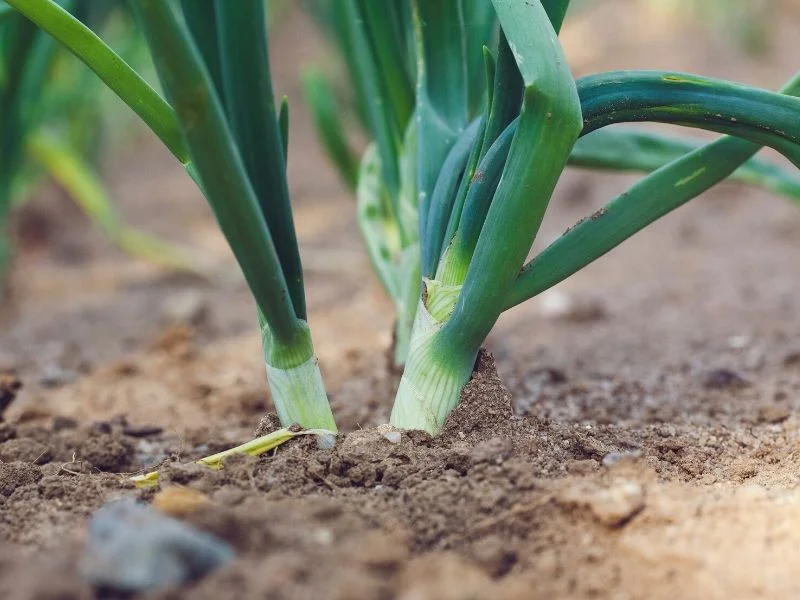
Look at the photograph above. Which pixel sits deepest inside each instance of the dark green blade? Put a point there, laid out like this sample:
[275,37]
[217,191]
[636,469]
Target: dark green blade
[628,149]
[320,99]
[661,192]
[443,197]
[114,71]
[556,11]
[369,85]
[283,126]
[217,160]
[382,23]
[201,19]
[250,108]
[506,95]
[549,125]
[763,117]
[442,108]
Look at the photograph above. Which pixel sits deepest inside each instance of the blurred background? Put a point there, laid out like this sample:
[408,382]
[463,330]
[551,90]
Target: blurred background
[97,324]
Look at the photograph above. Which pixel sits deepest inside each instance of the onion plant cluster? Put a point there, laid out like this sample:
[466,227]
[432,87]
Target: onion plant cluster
[474,115]
[380,46]
[50,121]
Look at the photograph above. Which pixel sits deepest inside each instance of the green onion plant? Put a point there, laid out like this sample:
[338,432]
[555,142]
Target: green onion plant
[474,116]
[381,52]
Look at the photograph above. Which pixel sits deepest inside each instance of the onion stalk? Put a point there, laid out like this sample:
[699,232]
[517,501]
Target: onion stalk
[379,59]
[476,272]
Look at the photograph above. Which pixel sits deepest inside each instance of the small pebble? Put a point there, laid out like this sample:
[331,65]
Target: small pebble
[612,458]
[133,548]
[737,342]
[723,379]
[773,413]
[186,307]
[326,441]
[178,501]
[556,304]
[54,376]
[393,436]
[617,504]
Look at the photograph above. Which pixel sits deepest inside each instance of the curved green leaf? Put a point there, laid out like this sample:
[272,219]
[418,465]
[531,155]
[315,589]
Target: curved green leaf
[371,88]
[628,149]
[763,117]
[83,185]
[442,109]
[219,165]
[654,196]
[443,197]
[250,108]
[549,125]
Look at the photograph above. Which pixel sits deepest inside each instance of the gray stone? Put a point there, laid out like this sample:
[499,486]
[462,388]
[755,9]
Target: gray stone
[132,547]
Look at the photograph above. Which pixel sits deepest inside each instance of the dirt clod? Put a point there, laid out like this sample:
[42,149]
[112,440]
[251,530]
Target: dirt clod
[25,450]
[107,452]
[613,505]
[722,379]
[10,385]
[485,403]
[443,577]
[17,475]
[178,501]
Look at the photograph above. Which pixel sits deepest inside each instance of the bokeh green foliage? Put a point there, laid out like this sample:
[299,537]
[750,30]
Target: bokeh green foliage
[57,119]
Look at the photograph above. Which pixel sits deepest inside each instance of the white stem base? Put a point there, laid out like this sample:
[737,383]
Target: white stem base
[299,396]
[429,388]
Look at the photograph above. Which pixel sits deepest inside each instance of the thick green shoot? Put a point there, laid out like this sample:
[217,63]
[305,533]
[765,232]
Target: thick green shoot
[453,320]
[251,114]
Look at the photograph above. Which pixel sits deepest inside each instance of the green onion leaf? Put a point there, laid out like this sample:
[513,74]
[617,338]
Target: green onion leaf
[320,99]
[628,149]
[250,108]
[221,170]
[654,196]
[760,116]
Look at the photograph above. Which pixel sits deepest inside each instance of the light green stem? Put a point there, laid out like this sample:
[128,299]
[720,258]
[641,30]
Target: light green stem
[433,377]
[295,381]
[299,396]
[408,288]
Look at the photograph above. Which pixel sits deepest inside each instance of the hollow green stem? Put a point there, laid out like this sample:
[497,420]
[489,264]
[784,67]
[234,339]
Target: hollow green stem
[434,374]
[251,114]
[218,162]
[295,381]
[629,149]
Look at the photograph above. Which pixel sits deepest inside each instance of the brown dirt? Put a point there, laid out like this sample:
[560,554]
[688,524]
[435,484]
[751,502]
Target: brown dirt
[646,443]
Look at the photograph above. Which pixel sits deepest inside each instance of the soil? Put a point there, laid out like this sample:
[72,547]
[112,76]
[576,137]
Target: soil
[641,440]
